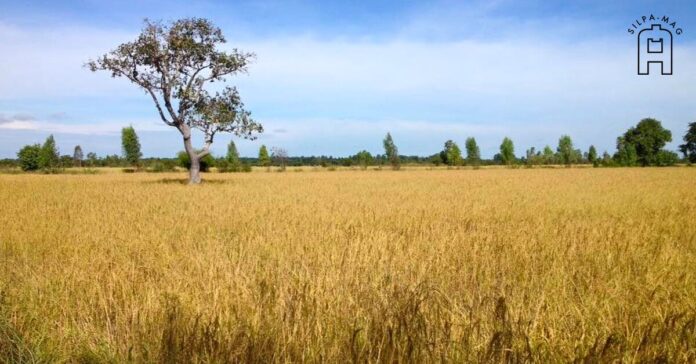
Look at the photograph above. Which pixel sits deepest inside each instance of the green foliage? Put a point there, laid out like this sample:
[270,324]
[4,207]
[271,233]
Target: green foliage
[689,146]
[391,152]
[451,154]
[648,138]
[565,150]
[49,159]
[232,158]
[160,166]
[473,153]
[626,154]
[548,156]
[174,62]
[364,159]
[507,152]
[264,158]
[92,159]
[592,156]
[130,145]
[666,158]
[185,161]
[29,157]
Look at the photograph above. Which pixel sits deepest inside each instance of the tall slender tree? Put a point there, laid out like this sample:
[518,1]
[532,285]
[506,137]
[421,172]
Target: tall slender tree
[232,157]
[592,156]
[689,146]
[473,153]
[130,145]
[391,152]
[78,156]
[507,151]
[264,158]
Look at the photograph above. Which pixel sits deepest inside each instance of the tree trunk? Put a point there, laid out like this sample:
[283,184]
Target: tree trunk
[195,169]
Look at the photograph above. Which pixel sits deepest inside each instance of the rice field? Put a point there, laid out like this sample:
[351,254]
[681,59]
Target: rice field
[494,265]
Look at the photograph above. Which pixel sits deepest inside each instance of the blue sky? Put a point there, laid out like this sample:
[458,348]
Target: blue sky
[332,78]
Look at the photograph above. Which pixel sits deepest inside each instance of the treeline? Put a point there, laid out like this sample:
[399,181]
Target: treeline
[641,145]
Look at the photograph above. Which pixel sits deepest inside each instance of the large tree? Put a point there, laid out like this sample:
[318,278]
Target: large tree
[174,63]
[648,138]
[689,146]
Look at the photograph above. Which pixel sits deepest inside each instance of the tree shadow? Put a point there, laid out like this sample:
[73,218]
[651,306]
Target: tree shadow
[185,181]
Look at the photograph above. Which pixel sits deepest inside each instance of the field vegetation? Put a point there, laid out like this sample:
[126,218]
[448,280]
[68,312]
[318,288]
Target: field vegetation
[497,265]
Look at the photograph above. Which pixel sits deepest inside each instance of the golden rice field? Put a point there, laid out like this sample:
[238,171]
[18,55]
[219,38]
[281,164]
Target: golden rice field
[496,265]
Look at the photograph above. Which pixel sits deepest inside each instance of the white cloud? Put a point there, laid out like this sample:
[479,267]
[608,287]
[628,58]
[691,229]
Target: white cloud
[101,128]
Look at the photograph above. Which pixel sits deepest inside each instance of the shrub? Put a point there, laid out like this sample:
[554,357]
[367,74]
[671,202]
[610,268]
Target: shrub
[29,157]
[185,161]
[666,158]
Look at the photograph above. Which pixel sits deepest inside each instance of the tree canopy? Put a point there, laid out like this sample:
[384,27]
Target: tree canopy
[648,138]
[689,146]
[173,63]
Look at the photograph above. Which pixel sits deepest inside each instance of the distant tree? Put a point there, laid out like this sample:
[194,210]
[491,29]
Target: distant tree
[607,160]
[49,158]
[689,146]
[507,151]
[626,154]
[173,63]
[232,158]
[264,159]
[473,153]
[451,154]
[364,159]
[77,156]
[130,144]
[548,156]
[391,152]
[92,159]
[648,138]
[279,157]
[565,150]
[29,157]
[592,156]
[533,157]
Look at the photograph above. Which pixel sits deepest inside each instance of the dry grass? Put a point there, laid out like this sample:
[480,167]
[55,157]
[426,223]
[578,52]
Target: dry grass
[491,265]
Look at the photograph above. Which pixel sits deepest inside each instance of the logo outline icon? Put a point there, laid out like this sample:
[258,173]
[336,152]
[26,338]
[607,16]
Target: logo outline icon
[653,50]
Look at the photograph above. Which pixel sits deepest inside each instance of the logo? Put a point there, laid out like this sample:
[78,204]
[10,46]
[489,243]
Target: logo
[655,43]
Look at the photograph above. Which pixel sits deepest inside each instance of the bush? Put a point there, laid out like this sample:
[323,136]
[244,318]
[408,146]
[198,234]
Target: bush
[666,158]
[29,157]
[162,166]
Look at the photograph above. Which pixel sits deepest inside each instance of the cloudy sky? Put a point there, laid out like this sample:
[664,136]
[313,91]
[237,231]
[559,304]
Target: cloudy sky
[331,78]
